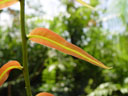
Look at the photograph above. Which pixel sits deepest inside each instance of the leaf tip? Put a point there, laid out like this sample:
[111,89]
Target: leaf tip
[44,94]
[105,67]
[85,4]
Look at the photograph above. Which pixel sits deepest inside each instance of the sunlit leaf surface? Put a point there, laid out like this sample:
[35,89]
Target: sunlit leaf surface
[48,38]
[6,3]
[44,94]
[6,68]
[85,4]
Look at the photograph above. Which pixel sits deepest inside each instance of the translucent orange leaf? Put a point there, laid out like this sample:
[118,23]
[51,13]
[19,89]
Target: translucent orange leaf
[44,94]
[48,38]
[5,70]
[6,3]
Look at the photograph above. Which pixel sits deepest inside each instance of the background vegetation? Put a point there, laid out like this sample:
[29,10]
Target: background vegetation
[102,33]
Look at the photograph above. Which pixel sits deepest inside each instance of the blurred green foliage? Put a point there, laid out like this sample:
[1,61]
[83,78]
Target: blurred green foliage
[61,74]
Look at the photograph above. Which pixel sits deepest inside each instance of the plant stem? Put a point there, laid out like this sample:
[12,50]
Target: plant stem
[24,48]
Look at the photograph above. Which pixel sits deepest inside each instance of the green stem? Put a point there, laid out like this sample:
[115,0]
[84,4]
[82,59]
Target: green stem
[24,48]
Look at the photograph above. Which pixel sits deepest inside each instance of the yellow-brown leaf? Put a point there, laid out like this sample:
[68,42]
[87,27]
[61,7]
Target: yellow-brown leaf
[6,3]
[48,38]
[44,94]
[6,68]
[85,4]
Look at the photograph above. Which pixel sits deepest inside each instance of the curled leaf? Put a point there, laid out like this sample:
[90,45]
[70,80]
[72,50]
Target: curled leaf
[5,70]
[48,38]
[85,4]
[6,3]
[44,94]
